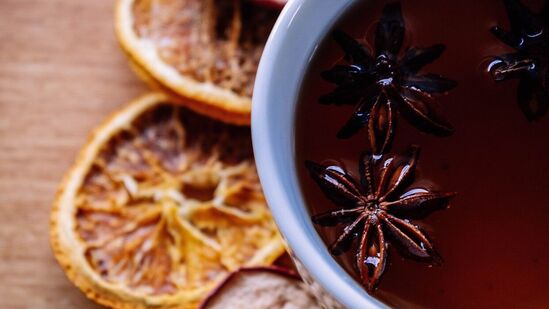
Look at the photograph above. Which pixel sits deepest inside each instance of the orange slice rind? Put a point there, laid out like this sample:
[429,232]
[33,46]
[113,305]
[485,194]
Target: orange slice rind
[204,51]
[159,207]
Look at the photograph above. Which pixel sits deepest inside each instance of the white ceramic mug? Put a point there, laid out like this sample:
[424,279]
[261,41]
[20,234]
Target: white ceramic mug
[296,35]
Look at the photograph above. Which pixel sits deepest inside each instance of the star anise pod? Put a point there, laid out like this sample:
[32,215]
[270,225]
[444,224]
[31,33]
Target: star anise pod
[529,36]
[380,83]
[378,209]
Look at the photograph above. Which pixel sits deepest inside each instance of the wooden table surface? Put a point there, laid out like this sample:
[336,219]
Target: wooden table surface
[61,73]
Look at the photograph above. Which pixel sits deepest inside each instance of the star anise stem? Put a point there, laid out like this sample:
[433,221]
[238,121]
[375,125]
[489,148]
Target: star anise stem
[335,217]
[513,69]
[343,241]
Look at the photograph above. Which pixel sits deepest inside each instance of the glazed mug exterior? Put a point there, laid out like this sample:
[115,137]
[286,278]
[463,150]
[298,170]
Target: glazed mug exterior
[300,28]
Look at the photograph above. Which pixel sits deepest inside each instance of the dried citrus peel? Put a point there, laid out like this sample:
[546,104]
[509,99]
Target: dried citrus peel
[205,51]
[160,206]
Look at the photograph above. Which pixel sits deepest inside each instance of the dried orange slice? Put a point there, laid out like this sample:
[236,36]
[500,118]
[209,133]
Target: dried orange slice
[159,207]
[206,51]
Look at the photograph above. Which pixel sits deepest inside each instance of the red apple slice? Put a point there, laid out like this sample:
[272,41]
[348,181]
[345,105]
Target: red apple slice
[261,288]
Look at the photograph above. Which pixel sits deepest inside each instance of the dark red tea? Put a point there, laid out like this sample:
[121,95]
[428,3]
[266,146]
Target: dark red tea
[494,237]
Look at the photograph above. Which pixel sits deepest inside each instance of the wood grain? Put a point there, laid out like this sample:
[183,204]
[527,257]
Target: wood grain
[61,73]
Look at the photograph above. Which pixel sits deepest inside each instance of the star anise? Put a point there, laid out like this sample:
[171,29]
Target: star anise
[529,36]
[379,84]
[378,210]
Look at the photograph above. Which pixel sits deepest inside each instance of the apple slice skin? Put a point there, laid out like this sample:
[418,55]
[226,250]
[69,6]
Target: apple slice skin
[277,4]
[280,271]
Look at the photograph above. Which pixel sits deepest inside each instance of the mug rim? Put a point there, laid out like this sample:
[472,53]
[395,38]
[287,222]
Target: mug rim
[300,27]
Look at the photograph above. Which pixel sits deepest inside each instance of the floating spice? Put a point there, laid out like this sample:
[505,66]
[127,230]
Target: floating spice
[379,83]
[377,210]
[529,36]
